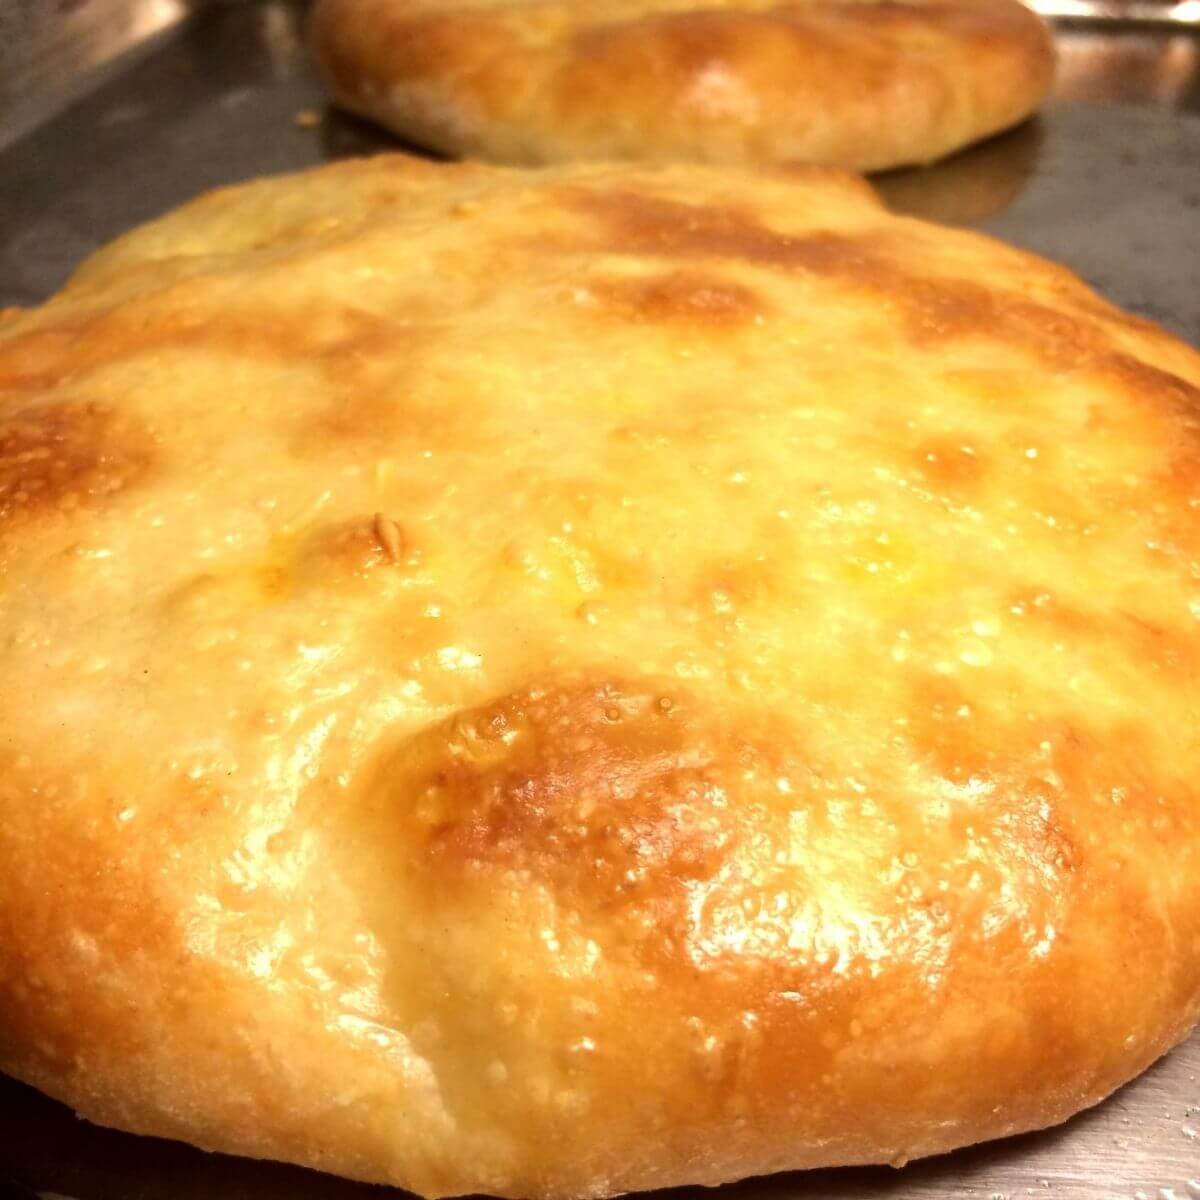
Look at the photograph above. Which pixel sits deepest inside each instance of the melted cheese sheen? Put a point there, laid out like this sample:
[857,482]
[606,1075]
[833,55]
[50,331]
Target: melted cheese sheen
[561,682]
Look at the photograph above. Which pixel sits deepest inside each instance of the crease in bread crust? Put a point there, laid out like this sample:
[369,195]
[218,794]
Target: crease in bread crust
[865,84]
[553,683]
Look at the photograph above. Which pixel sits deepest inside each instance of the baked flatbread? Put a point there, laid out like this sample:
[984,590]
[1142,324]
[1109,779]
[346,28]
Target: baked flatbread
[550,683]
[855,83]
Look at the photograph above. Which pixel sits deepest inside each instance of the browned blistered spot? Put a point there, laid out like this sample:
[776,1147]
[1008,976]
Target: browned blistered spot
[685,43]
[683,297]
[1159,645]
[728,588]
[836,51]
[931,308]
[368,409]
[1145,384]
[373,400]
[1180,481]
[408,46]
[945,730]
[363,359]
[62,457]
[604,788]
[950,464]
[665,54]
[639,223]
[1134,637]
[322,336]
[1171,497]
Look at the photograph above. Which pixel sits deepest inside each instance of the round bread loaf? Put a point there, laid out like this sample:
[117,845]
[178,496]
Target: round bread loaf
[867,84]
[563,682]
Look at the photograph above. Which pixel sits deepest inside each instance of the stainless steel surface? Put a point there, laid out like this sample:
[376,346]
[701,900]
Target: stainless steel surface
[51,51]
[1108,180]
[1154,12]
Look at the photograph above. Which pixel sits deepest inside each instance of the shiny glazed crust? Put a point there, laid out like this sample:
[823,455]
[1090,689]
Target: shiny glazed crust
[867,84]
[560,682]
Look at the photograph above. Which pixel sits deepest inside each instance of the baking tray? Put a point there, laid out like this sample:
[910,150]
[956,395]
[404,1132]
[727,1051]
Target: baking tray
[1127,12]
[187,95]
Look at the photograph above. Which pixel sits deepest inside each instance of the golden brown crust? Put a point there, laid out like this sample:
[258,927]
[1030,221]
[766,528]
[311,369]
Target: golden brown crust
[559,682]
[867,84]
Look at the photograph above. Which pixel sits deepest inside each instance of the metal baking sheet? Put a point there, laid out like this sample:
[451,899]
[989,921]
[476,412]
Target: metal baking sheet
[52,51]
[1152,12]
[1107,180]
